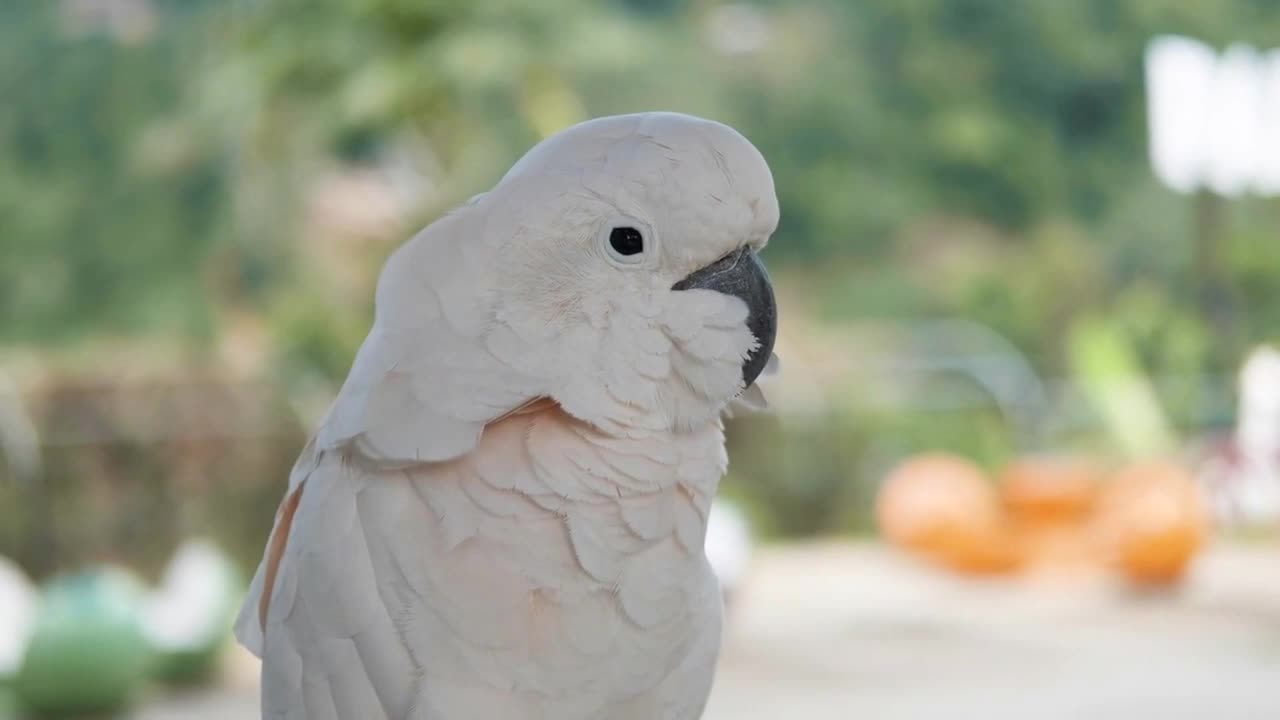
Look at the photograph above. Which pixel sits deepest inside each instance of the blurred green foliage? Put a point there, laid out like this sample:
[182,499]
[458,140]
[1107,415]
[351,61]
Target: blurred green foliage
[108,208]
[146,179]
[161,166]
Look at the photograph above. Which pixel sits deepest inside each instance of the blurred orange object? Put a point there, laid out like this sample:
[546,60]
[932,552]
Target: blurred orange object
[1067,548]
[1040,491]
[943,507]
[1153,519]
[981,550]
[1049,500]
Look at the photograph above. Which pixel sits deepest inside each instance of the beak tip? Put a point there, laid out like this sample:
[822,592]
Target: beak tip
[762,321]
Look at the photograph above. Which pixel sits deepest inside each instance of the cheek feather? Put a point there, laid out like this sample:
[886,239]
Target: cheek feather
[640,374]
[708,342]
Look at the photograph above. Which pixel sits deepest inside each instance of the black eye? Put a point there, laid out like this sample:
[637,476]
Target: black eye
[626,241]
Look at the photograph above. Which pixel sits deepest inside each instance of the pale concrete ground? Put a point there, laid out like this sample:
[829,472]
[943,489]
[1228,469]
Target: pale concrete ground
[856,631]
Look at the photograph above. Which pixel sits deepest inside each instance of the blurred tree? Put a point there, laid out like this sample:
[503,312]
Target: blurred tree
[108,203]
[155,163]
[236,171]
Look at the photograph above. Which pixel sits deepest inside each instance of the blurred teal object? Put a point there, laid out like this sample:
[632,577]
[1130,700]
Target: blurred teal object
[87,654]
[188,619]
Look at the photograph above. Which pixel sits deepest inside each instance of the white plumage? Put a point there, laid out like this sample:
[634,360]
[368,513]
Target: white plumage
[503,513]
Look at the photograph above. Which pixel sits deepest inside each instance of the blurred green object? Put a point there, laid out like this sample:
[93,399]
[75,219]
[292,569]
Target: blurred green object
[188,619]
[87,654]
[8,703]
[189,667]
[1112,377]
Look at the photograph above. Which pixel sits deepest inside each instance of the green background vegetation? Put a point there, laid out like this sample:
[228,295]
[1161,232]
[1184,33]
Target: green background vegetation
[976,159]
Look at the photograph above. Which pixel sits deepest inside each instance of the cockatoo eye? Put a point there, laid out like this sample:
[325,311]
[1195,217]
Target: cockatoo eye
[626,244]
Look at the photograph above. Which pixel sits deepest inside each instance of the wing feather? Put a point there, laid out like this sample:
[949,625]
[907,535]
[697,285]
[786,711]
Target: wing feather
[425,383]
[330,640]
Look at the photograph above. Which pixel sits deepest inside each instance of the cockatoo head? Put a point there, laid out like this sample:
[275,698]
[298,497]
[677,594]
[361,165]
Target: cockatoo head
[635,241]
[613,271]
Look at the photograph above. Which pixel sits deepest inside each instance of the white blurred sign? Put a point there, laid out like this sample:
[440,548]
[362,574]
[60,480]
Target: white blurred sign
[1214,120]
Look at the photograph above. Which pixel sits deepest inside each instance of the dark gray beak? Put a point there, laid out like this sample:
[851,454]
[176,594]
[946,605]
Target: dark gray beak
[742,275]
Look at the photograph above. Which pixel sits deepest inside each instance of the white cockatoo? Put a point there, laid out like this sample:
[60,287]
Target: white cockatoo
[503,513]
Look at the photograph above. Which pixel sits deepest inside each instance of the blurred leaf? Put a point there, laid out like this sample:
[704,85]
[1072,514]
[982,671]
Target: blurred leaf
[1119,390]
